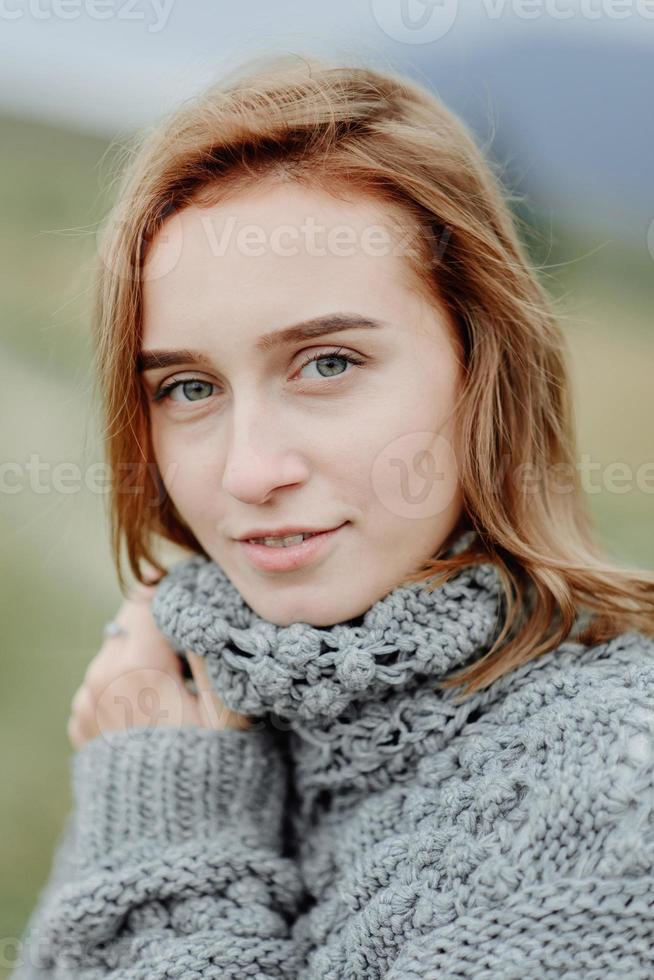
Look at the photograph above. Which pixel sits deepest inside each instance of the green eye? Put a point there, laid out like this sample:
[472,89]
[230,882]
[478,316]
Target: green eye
[333,356]
[192,388]
[196,389]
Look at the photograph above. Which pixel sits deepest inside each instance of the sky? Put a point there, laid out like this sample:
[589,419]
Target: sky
[112,66]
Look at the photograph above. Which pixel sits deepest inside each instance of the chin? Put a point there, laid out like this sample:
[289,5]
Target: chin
[307,611]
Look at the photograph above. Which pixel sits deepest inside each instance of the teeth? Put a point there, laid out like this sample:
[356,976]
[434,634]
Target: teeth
[282,542]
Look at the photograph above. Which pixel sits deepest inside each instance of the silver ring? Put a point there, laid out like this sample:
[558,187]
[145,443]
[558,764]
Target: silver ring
[112,628]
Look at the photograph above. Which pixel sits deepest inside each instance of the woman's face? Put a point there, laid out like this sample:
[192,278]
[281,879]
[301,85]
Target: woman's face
[265,435]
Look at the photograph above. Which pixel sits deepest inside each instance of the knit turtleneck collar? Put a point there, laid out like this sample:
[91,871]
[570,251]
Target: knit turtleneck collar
[312,674]
[355,695]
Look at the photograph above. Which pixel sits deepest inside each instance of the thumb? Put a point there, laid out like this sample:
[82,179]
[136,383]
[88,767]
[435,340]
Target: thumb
[214,712]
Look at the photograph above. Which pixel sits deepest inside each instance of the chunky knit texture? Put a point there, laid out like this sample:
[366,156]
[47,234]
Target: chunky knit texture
[366,826]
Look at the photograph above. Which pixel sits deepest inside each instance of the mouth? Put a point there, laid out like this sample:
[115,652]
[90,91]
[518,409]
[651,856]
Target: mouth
[284,540]
[293,551]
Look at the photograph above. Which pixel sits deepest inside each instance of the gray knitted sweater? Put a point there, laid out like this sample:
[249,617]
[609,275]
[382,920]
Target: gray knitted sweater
[366,826]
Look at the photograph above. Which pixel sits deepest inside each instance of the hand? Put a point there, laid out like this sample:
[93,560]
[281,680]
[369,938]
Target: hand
[137,680]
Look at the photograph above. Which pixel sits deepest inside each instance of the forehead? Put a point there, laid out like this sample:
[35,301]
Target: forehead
[275,239]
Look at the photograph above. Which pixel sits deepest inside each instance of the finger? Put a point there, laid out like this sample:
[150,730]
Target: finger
[151,573]
[152,654]
[219,716]
[74,735]
[199,671]
[82,713]
[203,687]
[141,593]
[79,697]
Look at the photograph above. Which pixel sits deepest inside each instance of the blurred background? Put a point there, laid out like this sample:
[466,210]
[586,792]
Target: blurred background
[556,92]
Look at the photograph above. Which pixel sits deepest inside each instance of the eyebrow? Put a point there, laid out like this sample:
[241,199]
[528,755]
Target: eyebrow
[147,360]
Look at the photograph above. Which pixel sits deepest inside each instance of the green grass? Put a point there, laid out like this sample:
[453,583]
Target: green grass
[58,583]
[51,200]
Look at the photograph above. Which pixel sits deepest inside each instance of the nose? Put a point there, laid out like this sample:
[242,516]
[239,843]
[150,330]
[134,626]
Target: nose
[263,453]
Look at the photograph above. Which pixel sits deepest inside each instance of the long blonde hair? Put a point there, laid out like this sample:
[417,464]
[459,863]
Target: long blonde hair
[332,125]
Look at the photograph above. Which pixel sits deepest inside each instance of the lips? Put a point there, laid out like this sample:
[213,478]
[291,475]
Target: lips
[284,532]
[282,537]
[287,558]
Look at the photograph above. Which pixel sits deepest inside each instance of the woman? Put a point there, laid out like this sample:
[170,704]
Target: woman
[316,322]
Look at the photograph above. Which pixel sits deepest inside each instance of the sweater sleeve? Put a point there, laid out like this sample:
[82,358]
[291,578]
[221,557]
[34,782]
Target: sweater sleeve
[171,863]
[574,895]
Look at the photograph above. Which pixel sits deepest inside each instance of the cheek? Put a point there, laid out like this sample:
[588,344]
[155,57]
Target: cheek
[183,468]
[414,476]
[413,469]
